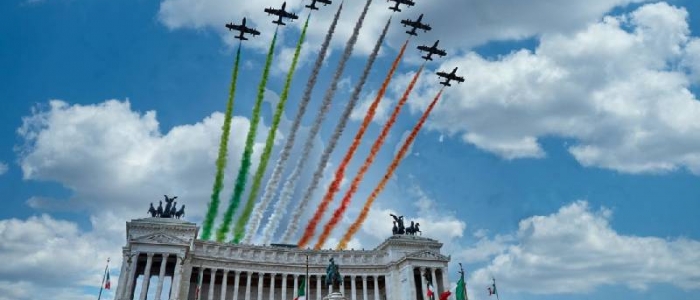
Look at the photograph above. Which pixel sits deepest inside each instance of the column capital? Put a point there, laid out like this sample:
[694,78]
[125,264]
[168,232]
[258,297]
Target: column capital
[226,271]
[149,254]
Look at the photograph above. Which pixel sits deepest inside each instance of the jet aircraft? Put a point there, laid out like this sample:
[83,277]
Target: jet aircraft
[242,29]
[432,50]
[281,13]
[313,6]
[417,24]
[450,76]
[396,7]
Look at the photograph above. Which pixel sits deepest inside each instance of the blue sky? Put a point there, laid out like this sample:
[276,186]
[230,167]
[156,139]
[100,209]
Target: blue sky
[566,165]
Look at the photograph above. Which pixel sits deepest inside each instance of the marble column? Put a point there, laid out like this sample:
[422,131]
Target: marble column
[200,279]
[423,284]
[376,287]
[364,287]
[236,282]
[212,282]
[319,287]
[272,286]
[177,277]
[131,279]
[146,276]
[122,276]
[261,276]
[224,284]
[296,285]
[445,282]
[161,275]
[248,276]
[433,278]
[353,293]
[412,283]
[284,286]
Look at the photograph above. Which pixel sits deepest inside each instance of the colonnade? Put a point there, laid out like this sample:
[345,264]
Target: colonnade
[254,285]
[165,264]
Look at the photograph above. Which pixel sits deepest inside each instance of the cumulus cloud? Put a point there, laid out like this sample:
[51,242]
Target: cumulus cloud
[3,168]
[483,21]
[614,87]
[116,159]
[575,250]
[44,257]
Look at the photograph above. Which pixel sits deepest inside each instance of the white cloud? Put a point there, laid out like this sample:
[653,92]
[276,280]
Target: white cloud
[575,250]
[48,258]
[3,168]
[483,21]
[611,87]
[118,160]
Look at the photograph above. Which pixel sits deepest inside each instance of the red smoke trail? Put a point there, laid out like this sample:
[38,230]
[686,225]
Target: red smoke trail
[340,172]
[338,213]
[389,172]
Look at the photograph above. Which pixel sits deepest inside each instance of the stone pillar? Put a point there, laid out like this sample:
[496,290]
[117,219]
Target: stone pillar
[296,285]
[161,275]
[423,284]
[445,282]
[261,276]
[272,286]
[376,287]
[412,283]
[224,285]
[212,282]
[200,279]
[364,287]
[284,286]
[236,282]
[131,279]
[319,287]
[123,274]
[436,286]
[146,276]
[353,293]
[177,277]
[247,285]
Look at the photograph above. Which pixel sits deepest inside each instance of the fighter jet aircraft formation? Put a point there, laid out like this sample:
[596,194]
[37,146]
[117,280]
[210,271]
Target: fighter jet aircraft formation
[415,25]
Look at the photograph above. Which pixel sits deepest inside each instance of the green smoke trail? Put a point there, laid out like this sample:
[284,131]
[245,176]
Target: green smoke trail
[239,230]
[248,151]
[223,151]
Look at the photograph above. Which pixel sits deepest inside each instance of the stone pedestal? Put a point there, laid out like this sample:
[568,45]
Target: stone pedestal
[334,296]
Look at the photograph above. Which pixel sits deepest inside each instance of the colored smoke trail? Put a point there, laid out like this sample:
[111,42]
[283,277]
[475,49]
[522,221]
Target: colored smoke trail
[389,172]
[213,208]
[248,150]
[273,182]
[340,172]
[345,203]
[290,183]
[265,157]
[271,227]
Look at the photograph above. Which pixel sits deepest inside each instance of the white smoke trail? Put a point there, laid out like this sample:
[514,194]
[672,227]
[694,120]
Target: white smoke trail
[290,183]
[274,181]
[275,218]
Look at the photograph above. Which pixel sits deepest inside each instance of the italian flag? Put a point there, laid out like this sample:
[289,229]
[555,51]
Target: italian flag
[431,294]
[108,284]
[301,294]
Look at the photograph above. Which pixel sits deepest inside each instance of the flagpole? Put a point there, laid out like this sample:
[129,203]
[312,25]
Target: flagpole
[306,285]
[495,291]
[102,285]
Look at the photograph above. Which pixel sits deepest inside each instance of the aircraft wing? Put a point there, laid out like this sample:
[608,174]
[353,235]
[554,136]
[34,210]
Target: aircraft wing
[457,78]
[443,74]
[440,52]
[272,11]
[424,48]
[252,31]
[289,15]
[423,26]
[232,26]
